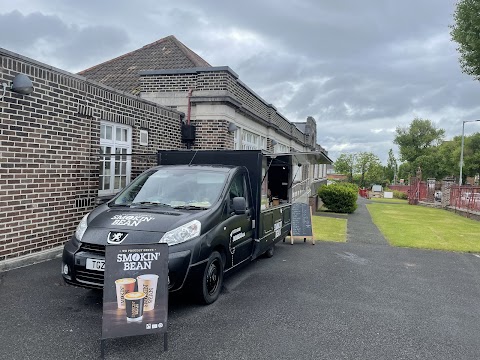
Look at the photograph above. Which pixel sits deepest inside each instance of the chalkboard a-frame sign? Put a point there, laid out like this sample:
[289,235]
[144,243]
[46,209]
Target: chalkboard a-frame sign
[301,222]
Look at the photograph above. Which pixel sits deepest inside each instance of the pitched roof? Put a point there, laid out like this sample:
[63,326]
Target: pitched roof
[122,72]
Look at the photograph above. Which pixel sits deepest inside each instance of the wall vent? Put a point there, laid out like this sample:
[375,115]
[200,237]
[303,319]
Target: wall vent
[144,137]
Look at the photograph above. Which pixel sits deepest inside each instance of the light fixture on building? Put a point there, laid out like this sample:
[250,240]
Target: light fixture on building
[232,127]
[274,142]
[21,84]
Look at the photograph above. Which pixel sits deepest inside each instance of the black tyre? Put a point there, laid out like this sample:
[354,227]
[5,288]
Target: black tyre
[269,253]
[212,279]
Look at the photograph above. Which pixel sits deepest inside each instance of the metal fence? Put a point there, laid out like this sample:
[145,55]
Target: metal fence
[301,191]
[465,197]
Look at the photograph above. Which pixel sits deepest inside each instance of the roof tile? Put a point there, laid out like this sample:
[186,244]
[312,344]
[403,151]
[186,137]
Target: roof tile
[122,72]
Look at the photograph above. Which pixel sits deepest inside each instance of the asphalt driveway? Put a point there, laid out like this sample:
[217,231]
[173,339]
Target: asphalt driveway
[323,301]
[357,300]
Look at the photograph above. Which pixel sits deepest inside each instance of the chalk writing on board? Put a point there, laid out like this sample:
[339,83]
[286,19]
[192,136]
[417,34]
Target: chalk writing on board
[301,220]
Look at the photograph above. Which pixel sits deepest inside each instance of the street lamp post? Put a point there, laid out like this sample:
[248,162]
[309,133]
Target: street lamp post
[461,150]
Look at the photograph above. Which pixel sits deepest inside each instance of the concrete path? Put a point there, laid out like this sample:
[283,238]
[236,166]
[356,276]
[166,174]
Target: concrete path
[360,227]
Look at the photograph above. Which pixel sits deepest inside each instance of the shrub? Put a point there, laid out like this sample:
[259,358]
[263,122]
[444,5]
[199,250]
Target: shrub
[340,198]
[399,195]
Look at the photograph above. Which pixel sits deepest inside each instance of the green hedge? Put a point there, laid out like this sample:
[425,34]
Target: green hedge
[399,195]
[340,197]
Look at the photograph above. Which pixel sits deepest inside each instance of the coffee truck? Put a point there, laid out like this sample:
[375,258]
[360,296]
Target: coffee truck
[216,209]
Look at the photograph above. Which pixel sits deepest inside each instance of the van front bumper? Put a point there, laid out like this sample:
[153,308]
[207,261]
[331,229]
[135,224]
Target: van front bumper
[75,255]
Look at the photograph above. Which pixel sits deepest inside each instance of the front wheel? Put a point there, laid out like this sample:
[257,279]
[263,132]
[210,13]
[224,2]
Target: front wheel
[212,279]
[269,253]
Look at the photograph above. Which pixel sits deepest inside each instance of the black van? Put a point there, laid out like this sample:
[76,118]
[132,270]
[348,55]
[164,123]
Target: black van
[214,209]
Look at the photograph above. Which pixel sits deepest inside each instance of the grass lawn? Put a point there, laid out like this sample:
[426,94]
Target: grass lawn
[329,229]
[396,201]
[425,228]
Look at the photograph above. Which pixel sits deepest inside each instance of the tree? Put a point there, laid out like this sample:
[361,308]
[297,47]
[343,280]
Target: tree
[405,170]
[344,165]
[449,154]
[417,139]
[391,169]
[431,165]
[367,164]
[362,168]
[465,33]
[375,174]
[471,155]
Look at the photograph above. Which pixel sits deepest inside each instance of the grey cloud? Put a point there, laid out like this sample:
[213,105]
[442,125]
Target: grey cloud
[377,56]
[68,46]
[91,44]
[25,30]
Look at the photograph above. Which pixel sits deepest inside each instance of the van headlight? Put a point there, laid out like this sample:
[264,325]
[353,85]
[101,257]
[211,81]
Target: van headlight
[182,233]
[81,228]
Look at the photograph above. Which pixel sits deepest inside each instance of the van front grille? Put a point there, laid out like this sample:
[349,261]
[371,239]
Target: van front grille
[93,248]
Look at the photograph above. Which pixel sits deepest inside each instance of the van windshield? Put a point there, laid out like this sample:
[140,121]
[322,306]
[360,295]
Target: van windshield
[173,187]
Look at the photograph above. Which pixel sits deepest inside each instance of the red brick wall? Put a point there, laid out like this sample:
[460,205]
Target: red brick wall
[213,135]
[49,145]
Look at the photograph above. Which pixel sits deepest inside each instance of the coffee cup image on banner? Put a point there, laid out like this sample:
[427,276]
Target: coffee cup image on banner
[147,283]
[134,306]
[124,286]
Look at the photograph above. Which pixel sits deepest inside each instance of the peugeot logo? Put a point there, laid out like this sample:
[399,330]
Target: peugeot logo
[115,237]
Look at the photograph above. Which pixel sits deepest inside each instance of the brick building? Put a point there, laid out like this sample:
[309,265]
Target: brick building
[166,71]
[79,138]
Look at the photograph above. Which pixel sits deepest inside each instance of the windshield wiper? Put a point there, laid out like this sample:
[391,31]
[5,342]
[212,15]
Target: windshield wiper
[149,203]
[190,207]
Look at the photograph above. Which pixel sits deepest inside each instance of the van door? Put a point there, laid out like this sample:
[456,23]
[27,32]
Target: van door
[239,227]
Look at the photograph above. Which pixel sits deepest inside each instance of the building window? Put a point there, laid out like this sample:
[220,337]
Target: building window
[251,141]
[115,164]
[281,149]
[236,139]
[263,143]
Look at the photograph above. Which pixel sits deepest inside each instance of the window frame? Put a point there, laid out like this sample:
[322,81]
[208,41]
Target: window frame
[115,157]
[240,178]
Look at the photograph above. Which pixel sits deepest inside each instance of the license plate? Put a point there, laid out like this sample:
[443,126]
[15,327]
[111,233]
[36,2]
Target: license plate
[95,264]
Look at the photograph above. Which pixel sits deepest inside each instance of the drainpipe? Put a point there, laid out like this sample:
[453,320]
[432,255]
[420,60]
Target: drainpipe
[189,108]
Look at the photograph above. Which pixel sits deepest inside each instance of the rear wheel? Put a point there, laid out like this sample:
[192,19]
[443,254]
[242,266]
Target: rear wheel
[212,279]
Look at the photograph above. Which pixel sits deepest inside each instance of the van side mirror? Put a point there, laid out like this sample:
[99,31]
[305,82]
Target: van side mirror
[239,205]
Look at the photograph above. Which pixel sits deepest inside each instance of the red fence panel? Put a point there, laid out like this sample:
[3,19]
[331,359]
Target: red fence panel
[465,197]
[363,193]
[423,190]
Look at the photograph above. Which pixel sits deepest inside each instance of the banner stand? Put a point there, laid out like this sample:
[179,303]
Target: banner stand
[135,292]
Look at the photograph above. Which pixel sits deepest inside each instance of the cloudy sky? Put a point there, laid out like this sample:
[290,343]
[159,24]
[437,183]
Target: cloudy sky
[360,68]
